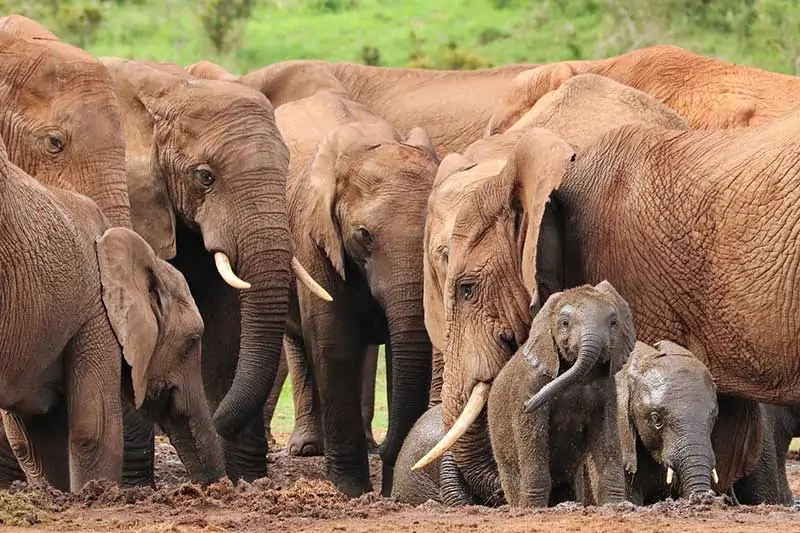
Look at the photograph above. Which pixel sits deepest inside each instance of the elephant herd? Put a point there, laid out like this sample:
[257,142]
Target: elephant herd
[583,272]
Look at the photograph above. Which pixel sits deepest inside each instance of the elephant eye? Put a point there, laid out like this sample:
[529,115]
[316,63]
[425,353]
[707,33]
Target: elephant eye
[192,344]
[564,322]
[467,289]
[364,236]
[54,142]
[204,175]
[656,420]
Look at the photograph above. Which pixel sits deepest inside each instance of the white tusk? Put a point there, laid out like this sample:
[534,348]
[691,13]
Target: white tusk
[225,270]
[477,399]
[306,279]
[715,476]
[669,475]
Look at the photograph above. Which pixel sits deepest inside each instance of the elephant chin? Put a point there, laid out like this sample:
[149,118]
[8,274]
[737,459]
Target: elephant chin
[472,410]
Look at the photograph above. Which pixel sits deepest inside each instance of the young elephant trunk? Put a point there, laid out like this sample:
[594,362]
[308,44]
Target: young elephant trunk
[695,468]
[591,347]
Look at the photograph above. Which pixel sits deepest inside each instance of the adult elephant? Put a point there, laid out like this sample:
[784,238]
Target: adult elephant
[706,92]
[453,106]
[686,208]
[357,192]
[306,439]
[206,170]
[482,280]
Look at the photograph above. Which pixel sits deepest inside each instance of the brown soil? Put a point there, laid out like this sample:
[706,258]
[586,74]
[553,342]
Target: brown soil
[296,498]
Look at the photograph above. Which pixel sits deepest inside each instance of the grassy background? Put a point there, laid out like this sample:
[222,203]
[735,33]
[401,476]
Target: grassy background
[458,34]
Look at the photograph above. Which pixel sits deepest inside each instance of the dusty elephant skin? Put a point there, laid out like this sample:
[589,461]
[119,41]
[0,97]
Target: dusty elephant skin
[488,265]
[708,93]
[357,193]
[207,168]
[62,366]
[417,487]
[667,413]
[545,420]
[452,106]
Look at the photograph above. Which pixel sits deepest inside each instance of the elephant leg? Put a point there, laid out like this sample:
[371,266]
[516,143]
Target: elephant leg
[274,397]
[40,444]
[10,470]
[306,439]
[138,464]
[369,371]
[239,453]
[533,457]
[94,410]
[337,381]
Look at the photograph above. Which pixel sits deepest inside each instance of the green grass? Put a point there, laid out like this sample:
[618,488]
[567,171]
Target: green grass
[450,33]
[283,419]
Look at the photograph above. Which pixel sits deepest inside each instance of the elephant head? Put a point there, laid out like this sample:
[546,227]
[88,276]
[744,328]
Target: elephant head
[209,152]
[668,403]
[210,71]
[60,111]
[583,327]
[159,327]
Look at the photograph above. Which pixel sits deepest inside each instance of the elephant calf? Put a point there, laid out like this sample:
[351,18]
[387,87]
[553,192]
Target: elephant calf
[542,444]
[676,431]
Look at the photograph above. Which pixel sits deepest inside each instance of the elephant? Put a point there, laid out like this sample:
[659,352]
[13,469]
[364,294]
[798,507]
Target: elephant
[356,193]
[453,106]
[418,486]
[61,121]
[708,93]
[158,325]
[61,359]
[206,169]
[545,421]
[489,261]
[671,433]
[767,483]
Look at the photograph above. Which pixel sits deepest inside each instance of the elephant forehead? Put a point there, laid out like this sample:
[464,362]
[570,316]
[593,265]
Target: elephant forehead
[671,385]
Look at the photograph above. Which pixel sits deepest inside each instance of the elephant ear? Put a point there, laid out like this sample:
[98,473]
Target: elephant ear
[737,438]
[625,378]
[525,90]
[340,147]
[210,71]
[452,163]
[419,138]
[540,347]
[138,89]
[130,291]
[627,337]
[534,170]
[288,81]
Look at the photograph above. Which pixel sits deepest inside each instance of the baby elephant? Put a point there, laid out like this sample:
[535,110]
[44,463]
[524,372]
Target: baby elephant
[676,431]
[545,421]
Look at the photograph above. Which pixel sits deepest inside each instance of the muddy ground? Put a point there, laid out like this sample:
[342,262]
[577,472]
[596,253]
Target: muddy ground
[297,499]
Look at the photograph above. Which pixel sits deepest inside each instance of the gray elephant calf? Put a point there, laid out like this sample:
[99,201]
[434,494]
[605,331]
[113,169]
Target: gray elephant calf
[545,424]
[676,431]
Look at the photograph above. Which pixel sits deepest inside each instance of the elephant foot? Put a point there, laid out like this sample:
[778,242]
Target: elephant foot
[306,442]
[352,486]
[246,457]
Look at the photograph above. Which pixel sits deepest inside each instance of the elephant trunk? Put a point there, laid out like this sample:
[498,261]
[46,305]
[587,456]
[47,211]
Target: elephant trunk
[192,434]
[695,468]
[475,460]
[410,352]
[588,355]
[264,261]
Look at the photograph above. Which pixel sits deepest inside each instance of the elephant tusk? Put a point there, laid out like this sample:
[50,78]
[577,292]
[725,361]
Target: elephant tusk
[477,399]
[715,476]
[306,279]
[225,270]
[670,473]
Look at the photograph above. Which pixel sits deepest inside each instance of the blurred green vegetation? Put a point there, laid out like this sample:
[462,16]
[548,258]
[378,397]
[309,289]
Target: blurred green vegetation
[242,35]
